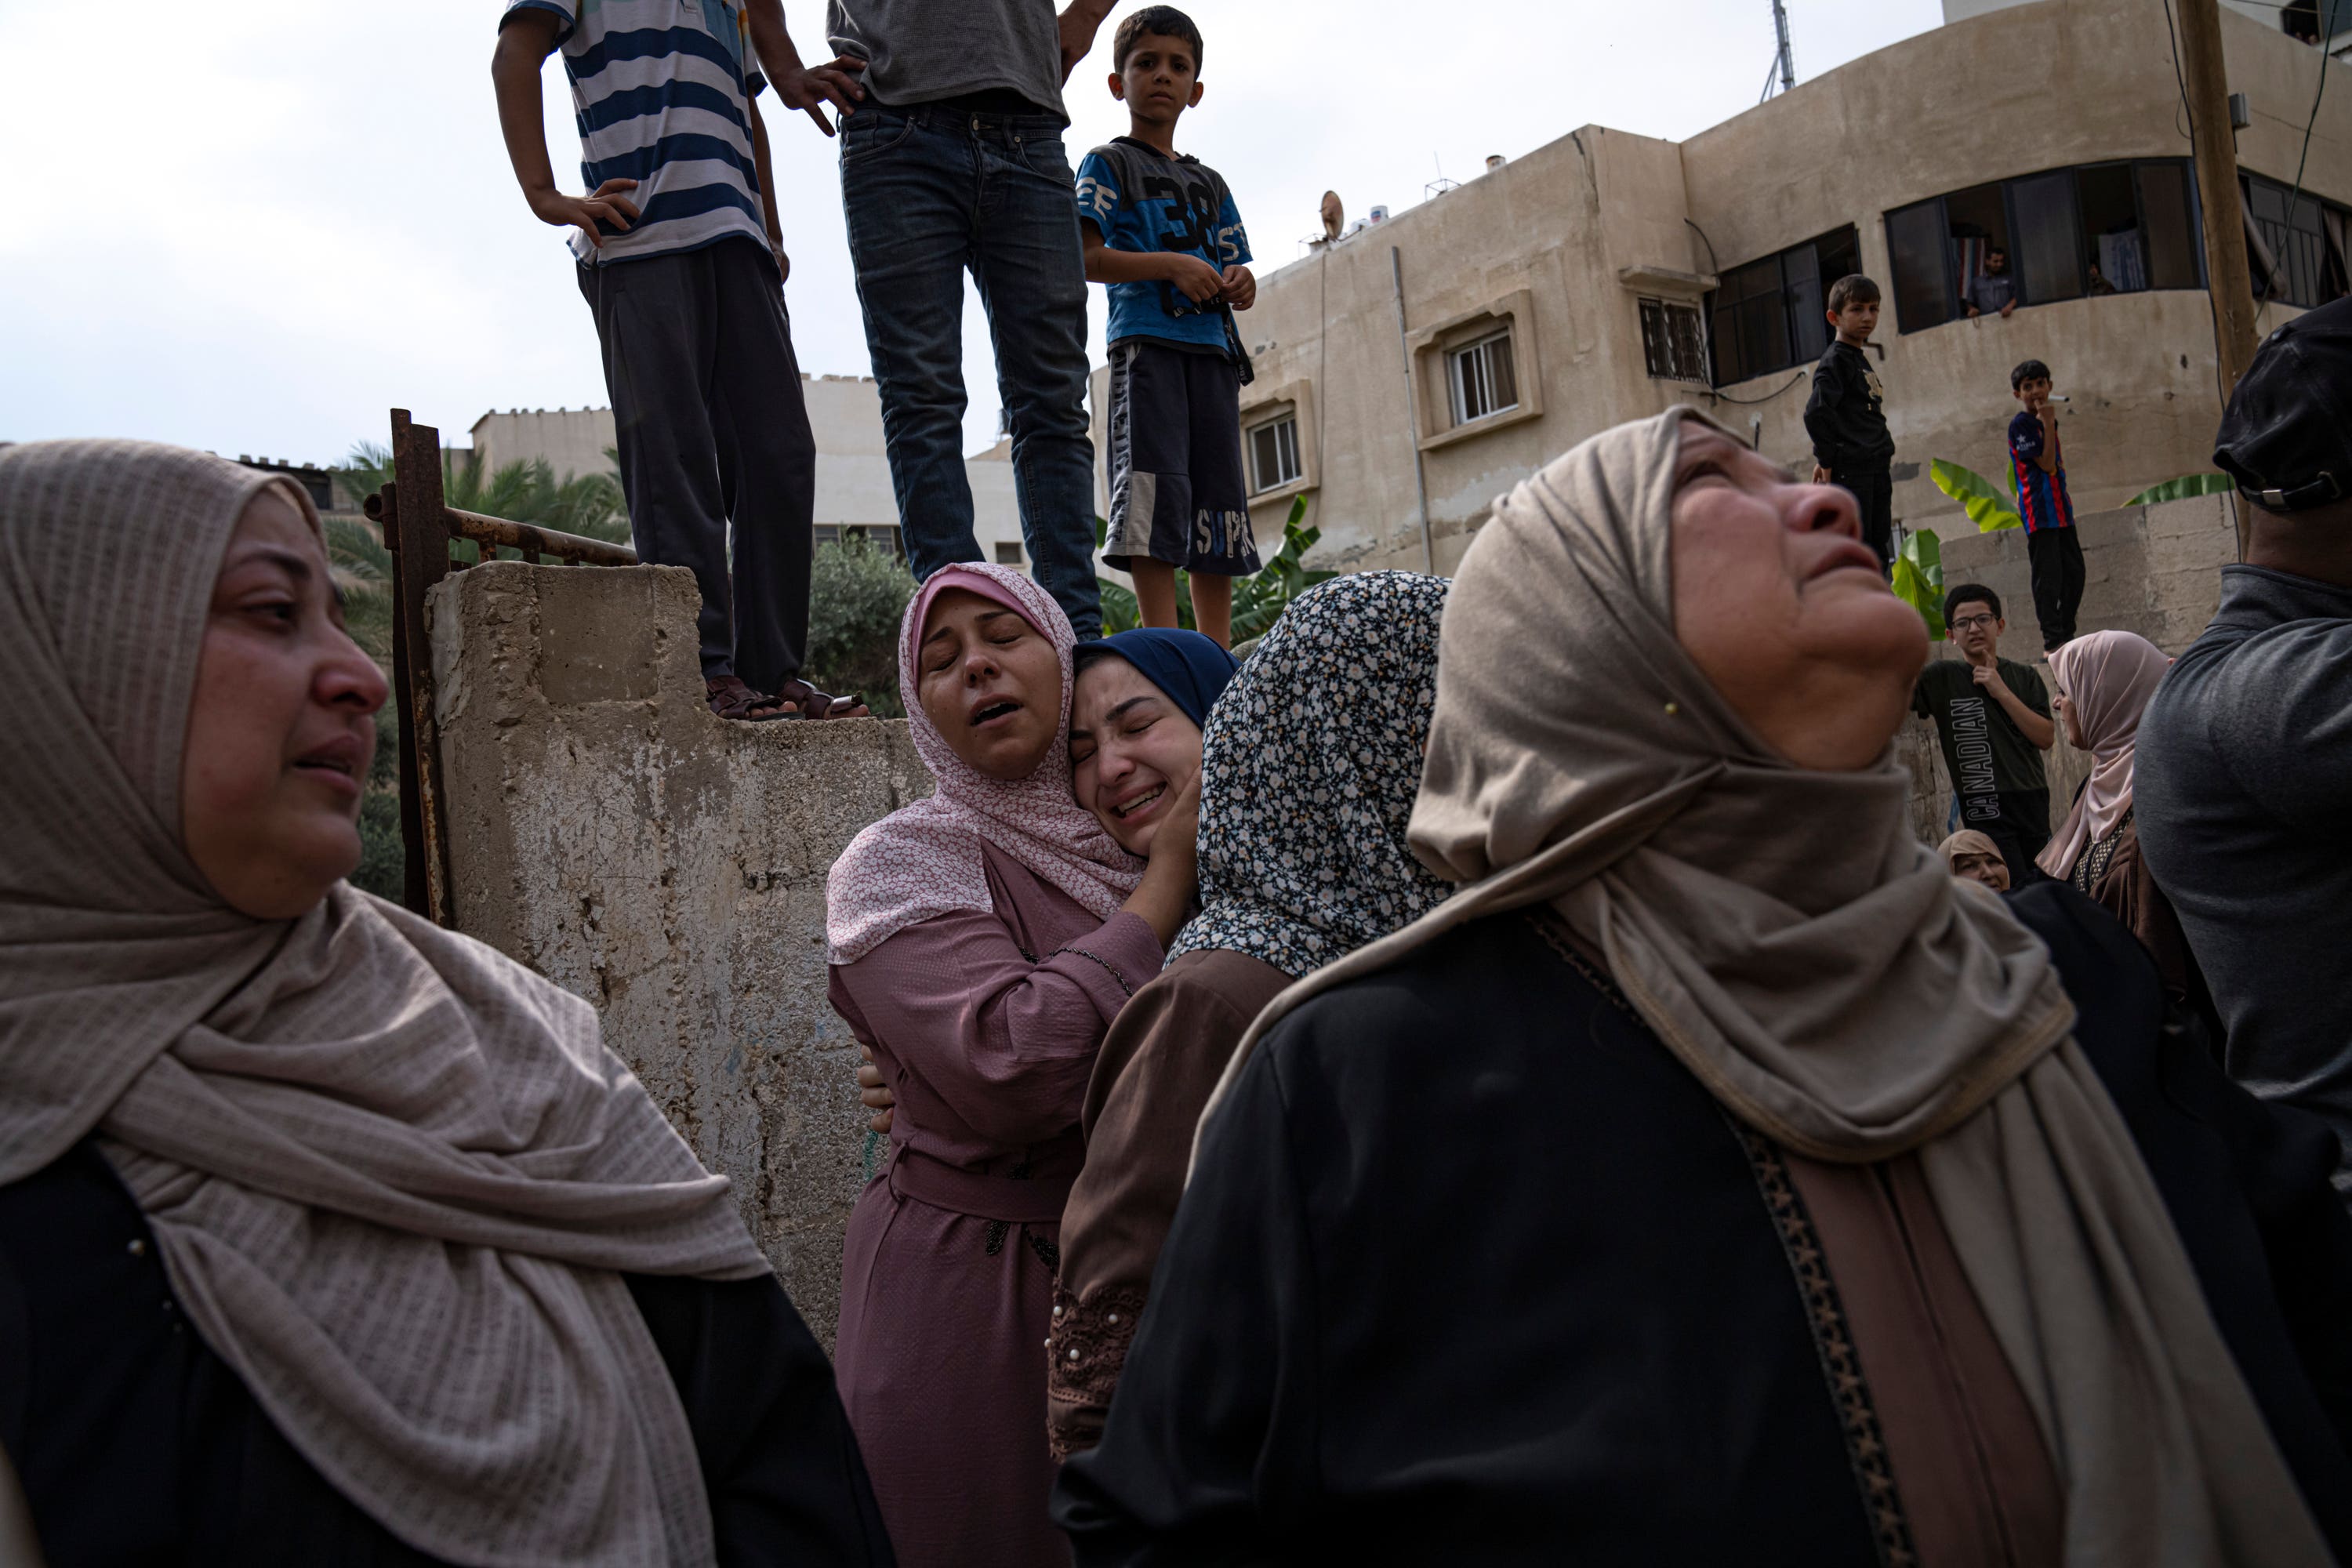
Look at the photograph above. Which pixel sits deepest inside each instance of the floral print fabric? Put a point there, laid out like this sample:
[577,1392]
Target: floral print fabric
[1309,764]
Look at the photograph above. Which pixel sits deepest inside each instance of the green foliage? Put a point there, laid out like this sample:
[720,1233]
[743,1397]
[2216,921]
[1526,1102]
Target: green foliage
[1258,599]
[858,593]
[1988,507]
[383,858]
[2182,488]
[590,505]
[1918,578]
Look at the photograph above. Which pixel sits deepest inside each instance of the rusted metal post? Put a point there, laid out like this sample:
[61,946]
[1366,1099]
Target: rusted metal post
[2227,274]
[419,540]
[528,537]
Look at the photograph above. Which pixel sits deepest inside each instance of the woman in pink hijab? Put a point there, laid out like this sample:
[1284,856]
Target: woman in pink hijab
[2105,681]
[982,941]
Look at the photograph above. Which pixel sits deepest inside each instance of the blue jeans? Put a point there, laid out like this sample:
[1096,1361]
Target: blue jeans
[929,191]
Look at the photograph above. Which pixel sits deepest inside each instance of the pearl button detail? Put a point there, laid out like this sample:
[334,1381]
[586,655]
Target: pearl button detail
[1074,1355]
[1114,1317]
[138,1246]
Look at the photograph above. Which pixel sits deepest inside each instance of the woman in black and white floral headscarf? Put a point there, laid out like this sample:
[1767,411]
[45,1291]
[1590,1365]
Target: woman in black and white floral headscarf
[1310,761]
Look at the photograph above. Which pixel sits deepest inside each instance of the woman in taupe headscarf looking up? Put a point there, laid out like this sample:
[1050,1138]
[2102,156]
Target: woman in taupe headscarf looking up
[326,1235]
[1713,1178]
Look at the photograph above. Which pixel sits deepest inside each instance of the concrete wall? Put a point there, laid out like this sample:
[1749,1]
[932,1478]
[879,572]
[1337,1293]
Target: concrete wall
[606,830]
[2265,13]
[853,467]
[571,440]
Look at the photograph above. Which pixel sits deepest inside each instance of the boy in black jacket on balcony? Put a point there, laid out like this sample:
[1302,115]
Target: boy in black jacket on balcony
[1846,417]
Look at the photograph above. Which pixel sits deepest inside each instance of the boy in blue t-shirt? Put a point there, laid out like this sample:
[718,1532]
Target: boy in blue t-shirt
[1161,230]
[2052,549]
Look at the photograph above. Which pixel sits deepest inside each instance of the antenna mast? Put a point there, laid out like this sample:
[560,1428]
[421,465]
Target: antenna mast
[1787,62]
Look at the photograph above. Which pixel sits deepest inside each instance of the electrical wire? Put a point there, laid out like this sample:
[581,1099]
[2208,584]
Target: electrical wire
[2303,158]
[1750,402]
[1717,265]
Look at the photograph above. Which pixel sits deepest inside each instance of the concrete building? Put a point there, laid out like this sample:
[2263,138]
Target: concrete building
[1606,277]
[2316,19]
[853,471]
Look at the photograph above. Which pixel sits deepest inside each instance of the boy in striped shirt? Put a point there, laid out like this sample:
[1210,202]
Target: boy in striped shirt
[2051,547]
[680,258]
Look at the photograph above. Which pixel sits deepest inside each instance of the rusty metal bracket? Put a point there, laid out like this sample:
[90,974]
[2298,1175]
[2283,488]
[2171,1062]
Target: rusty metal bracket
[419,543]
[419,529]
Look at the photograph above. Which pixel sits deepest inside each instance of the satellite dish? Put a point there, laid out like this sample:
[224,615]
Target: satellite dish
[1334,215]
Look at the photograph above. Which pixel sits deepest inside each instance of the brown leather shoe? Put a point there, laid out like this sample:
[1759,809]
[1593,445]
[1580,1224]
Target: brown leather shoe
[729,698]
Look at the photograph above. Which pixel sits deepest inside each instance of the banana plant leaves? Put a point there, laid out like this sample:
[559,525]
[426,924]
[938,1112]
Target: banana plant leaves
[2182,488]
[1987,506]
[1258,600]
[1918,579]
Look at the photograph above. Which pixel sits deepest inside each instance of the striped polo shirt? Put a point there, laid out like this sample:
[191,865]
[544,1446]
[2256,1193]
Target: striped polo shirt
[2041,499]
[662,90]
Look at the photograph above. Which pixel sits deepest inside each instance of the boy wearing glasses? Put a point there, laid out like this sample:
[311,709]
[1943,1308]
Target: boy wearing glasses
[1992,715]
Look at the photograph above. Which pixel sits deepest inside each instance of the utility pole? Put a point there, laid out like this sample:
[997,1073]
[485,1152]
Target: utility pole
[2227,277]
[1413,415]
[1788,60]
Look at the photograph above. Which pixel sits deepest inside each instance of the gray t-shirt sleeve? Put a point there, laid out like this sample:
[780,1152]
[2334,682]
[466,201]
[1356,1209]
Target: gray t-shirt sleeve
[919,51]
[2283,722]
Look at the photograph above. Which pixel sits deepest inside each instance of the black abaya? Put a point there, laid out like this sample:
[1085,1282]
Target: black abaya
[1472,1270]
[138,1446]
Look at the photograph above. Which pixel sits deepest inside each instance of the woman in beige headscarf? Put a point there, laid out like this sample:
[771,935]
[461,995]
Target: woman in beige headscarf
[1713,1178]
[326,1235]
[2106,680]
[1974,858]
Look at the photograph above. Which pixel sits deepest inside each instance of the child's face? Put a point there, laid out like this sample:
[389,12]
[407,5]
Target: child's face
[1159,82]
[1976,630]
[1857,321]
[2034,392]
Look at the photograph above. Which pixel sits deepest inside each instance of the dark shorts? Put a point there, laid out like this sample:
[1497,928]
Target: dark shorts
[1177,494]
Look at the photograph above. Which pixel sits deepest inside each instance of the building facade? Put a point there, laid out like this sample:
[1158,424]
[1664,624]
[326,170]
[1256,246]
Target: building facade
[852,470]
[1606,277]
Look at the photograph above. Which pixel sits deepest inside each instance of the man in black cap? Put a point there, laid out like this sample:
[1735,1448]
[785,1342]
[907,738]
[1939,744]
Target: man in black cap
[2242,780]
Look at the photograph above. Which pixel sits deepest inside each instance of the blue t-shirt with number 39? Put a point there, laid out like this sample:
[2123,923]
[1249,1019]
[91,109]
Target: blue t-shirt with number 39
[1180,205]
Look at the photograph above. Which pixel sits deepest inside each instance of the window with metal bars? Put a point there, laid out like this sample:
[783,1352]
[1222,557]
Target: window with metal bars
[1673,347]
[2301,260]
[1480,378]
[1772,314]
[1274,453]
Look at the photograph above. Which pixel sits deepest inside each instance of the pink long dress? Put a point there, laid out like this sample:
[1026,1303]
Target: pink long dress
[985,1024]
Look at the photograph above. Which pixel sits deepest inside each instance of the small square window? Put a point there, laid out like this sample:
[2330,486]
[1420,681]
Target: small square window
[1480,378]
[827,533]
[1670,344]
[1008,553]
[1274,453]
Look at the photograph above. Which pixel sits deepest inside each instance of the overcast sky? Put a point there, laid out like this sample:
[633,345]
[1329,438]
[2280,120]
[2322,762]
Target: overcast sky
[303,216]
